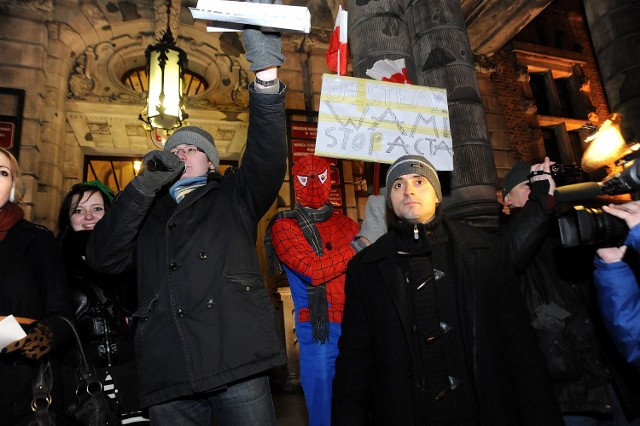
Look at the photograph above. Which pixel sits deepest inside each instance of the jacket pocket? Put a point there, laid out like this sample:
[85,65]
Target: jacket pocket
[248,285]
[145,309]
[245,281]
[556,344]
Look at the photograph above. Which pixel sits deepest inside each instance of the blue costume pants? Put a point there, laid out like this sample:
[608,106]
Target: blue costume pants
[317,368]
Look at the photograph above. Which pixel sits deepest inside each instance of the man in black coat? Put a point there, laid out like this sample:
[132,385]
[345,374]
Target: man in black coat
[206,327]
[434,331]
[592,383]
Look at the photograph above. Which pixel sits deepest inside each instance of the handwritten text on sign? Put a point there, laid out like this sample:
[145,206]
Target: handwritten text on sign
[378,121]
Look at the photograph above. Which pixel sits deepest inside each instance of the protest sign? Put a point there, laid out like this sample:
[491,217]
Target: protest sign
[224,15]
[378,121]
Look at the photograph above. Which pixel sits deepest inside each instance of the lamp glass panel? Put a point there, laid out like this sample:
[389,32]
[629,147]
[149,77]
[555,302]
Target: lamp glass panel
[164,114]
[172,84]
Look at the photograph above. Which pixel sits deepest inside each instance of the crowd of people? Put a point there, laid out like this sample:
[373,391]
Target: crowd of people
[435,322]
[411,319]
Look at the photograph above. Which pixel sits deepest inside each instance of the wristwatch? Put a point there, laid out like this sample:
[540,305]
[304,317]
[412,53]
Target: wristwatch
[267,83]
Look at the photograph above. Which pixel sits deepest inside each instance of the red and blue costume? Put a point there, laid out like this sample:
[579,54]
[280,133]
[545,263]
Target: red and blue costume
[314,245]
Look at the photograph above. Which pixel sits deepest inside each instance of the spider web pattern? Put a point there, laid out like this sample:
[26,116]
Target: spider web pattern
[294,251]
[315,193]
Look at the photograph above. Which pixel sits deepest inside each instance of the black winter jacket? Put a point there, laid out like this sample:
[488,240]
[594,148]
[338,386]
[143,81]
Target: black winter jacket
[102,304]
[205,317]
[558,289]
[374,383]
[32,285]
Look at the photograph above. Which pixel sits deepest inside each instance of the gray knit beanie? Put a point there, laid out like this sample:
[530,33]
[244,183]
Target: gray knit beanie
[519,173]
[192,135]
[413,164]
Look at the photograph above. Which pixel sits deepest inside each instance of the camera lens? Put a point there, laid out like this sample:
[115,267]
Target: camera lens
[591,226]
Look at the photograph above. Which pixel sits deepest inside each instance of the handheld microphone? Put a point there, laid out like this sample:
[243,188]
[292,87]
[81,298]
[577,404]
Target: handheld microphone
[624,182]
[578,191]
[155,165]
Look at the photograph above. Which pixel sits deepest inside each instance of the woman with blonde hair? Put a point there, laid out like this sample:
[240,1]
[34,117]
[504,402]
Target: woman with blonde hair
[34,290]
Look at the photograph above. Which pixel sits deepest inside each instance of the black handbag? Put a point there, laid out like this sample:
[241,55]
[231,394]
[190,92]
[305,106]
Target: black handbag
[93,407]
[41,415]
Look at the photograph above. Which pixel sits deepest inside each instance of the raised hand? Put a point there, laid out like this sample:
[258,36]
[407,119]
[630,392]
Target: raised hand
[542,171]
[263,50]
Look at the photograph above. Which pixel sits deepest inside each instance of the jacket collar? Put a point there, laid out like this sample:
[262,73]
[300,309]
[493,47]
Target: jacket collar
[466,244]
[461,238]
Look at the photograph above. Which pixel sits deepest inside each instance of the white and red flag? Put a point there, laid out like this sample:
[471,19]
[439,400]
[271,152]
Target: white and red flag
[386,70]
[337,54]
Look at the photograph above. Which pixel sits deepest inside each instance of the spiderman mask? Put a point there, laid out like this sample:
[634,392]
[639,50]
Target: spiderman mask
[312,182]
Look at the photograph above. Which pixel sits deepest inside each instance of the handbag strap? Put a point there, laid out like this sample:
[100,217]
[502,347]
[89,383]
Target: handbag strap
[42,394]
[87,371]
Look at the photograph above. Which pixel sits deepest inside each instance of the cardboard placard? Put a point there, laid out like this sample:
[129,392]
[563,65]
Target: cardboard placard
[378,121]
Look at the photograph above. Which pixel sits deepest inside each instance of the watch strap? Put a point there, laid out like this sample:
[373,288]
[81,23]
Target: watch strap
[266,83]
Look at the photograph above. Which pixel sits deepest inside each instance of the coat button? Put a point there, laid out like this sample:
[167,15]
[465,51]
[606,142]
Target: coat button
[210,303]
[203,255]
[180,312]
[172,226]
[173,266]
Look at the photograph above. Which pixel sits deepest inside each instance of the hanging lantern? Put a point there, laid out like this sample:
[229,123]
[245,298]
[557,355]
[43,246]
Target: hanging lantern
[165,103]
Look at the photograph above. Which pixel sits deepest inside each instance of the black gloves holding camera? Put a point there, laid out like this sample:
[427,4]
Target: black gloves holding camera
[160,168]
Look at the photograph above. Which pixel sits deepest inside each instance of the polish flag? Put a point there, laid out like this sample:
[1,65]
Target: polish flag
[337,54]
[386,70]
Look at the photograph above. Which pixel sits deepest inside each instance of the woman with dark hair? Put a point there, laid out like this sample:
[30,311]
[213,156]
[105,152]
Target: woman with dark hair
[102,303]
[33,289]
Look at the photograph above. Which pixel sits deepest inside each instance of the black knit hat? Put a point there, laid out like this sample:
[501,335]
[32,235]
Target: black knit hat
[192,135]
[413,164]
[518,174]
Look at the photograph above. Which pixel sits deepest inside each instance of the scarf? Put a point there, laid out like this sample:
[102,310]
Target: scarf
[184,186]
[317,295]
[10,214]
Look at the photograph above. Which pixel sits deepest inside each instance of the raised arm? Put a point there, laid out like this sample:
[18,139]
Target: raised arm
[264,161]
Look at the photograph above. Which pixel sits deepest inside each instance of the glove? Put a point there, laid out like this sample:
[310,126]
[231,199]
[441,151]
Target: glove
[35,344]
[167,168]
[375,224]
[263,50]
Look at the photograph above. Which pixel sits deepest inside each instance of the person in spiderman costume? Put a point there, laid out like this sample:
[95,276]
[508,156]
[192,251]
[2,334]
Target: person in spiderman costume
[313,245]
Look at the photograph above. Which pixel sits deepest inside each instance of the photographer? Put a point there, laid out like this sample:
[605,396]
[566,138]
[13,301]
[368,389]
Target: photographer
[557,288]
[617,285]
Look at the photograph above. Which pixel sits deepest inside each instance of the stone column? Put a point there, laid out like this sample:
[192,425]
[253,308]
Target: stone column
[432,38]
[443,58]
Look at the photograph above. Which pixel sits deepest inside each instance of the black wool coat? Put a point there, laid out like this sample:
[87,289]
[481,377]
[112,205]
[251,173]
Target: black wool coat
[373,382]
[32,285]
[557,285]
[205,318]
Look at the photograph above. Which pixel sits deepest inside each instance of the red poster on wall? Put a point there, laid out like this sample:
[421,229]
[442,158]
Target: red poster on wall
[7,132]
